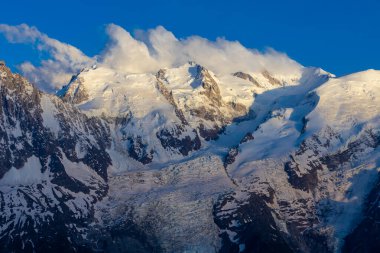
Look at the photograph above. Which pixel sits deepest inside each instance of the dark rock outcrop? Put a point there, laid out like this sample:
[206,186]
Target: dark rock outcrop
[46,215]
[271,79]
[247,77]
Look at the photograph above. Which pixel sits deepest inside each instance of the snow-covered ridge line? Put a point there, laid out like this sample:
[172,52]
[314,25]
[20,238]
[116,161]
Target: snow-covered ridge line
[157,104]
[139,160]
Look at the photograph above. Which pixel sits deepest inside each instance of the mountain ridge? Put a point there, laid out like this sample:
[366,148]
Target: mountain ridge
[127,161]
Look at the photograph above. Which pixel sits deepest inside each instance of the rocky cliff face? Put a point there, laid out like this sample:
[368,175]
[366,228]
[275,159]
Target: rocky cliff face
[185,160]
[53,169]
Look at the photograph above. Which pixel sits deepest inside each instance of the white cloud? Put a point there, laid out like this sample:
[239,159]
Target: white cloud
[65,59]
[125,53]
[21,33]
[146,51]
[158,48]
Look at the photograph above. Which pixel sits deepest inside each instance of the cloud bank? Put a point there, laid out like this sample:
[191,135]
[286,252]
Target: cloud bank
[64,60]
[146,51]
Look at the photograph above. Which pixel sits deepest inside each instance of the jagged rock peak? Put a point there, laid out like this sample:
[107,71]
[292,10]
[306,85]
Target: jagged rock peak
[75,92]
[161,74]
[14,81]
[210,86]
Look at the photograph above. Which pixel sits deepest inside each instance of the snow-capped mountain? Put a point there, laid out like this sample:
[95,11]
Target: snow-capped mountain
[188,160]
[53,168]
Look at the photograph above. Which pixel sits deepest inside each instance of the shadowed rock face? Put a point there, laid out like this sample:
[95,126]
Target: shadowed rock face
[184,145]
[247,137]
[210,133]
[234,151]
[230,158]
[366,236]
[46,205]
[252,225]
[306,182]
[75,92]
[139,151]
[259,221]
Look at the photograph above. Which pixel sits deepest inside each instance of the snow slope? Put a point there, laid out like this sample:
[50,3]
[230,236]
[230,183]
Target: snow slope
[348,102]
[331,162]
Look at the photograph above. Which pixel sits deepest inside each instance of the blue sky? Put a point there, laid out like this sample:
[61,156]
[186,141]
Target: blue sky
[340,36]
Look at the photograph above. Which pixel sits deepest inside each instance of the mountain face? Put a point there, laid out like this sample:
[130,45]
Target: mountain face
[185,160]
